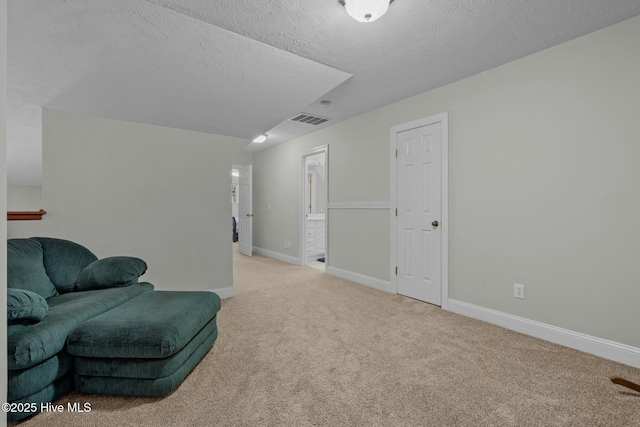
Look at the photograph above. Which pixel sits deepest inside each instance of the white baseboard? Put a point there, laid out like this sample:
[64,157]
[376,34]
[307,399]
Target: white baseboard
[372,282]
[223,293]
[344,274]
[597,346]
[277,255]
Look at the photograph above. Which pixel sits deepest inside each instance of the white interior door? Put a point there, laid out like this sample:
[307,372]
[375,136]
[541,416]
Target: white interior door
[419,215]
[245,219]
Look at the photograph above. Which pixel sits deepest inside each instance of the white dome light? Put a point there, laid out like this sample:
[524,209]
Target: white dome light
[366,10]
[262,138]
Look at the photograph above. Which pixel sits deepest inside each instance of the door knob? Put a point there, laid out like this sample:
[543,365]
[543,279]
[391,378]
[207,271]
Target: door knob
[435,223]
[249,214]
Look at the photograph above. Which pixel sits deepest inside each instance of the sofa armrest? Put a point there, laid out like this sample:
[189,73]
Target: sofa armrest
[25,306]
[110,273]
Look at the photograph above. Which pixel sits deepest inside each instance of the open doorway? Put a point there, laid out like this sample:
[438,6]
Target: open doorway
[235,190]
[245,213]
[241,209]
[314,218]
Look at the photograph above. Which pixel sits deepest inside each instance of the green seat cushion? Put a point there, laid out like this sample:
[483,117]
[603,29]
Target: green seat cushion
[25,268]
[144,386]
[48,394]
[154,325]
[144,368]
[25,305]
[110,272]
[36,343]
[25,382]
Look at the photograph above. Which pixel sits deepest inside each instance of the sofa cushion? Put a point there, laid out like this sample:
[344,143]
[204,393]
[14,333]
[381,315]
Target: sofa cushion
[110,272]
[25,268]
[155,325]
[36,343]
[15,326]
[145,386]
[50,393]
[145,368]
[25,305]
[24,382]
[63,261]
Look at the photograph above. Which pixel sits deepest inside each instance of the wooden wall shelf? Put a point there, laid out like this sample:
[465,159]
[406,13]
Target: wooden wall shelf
[26,216]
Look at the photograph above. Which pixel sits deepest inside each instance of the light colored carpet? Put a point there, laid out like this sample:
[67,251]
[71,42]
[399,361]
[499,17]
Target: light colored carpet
[298,347]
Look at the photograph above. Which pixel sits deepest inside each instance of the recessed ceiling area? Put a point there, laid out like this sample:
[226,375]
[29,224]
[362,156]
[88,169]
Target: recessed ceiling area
[135,61]
[246,67]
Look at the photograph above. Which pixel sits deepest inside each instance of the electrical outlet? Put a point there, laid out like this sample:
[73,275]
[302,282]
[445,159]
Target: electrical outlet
[518,291]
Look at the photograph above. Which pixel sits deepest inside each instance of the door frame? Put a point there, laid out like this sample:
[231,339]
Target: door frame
[303,218]
[442,118]
[250,214]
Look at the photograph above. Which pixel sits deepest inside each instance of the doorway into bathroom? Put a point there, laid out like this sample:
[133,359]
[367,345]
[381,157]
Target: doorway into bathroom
[313,210]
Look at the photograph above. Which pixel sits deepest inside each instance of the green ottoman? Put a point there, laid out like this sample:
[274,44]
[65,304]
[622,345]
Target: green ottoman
[146,346]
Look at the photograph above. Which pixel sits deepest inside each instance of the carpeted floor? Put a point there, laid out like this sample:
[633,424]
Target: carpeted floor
[298,347]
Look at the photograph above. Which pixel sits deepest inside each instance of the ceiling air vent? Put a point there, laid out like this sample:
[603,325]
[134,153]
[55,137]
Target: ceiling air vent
[309,119]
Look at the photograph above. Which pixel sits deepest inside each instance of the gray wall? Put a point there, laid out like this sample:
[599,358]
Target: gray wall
[157,193]
[544,185]
[22,198]
[3,203]
[276,182]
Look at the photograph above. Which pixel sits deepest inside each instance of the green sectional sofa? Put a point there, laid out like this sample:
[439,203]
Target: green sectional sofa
[67,315]
[54,286]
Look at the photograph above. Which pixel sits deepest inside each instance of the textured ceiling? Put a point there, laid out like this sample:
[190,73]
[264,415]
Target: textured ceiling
[244,67]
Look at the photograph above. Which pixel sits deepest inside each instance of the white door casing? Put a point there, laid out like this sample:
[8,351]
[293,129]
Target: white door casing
[245,219]
[420,223]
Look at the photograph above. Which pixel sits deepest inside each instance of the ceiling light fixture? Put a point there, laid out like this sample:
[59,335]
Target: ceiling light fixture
[262,138]
[366,10]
